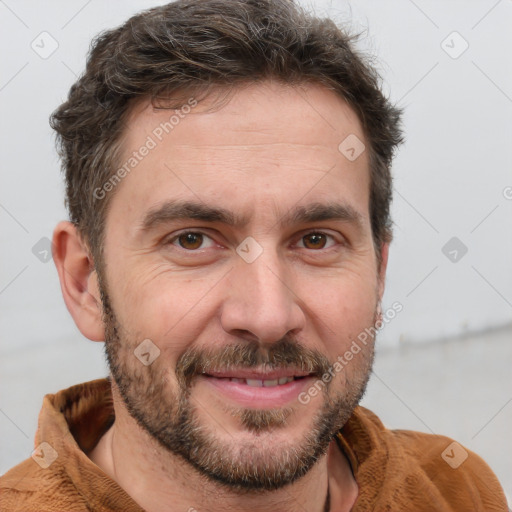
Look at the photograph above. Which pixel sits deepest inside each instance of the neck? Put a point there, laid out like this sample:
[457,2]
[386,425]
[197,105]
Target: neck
[160,481]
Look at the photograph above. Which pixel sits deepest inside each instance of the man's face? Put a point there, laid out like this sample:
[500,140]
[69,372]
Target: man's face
[241,246]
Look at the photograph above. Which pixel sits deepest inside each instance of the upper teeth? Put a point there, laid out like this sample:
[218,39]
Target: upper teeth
[258,383]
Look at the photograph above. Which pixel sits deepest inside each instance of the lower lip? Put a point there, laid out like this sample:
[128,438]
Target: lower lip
[258,397]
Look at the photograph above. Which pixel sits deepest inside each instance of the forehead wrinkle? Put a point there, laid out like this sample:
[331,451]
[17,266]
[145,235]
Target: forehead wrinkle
[219,145]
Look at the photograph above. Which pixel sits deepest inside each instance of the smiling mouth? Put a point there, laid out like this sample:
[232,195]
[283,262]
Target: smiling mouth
[258,377]
[259,383]
[256,388]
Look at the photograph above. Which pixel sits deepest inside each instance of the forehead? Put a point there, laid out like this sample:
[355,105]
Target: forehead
[268,146]
[249,109]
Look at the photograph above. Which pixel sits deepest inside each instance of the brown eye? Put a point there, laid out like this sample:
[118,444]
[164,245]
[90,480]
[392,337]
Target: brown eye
[314,241]
[190,241]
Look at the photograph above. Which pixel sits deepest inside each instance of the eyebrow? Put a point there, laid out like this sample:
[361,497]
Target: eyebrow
[171,211]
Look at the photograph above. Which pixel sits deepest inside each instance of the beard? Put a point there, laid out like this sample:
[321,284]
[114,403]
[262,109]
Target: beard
[163,406]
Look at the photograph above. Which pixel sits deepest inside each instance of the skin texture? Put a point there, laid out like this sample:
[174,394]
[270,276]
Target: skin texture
[267,153]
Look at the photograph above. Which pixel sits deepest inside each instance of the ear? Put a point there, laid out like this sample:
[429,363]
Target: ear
[78,280]
[384,253]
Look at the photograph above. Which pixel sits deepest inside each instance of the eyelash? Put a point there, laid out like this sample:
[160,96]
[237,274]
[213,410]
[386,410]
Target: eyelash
[175,238]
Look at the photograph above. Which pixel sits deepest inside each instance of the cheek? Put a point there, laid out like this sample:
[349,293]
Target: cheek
[167,307]
[343,312]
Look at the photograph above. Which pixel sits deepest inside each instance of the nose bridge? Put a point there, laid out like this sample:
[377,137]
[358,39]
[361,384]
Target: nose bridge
[266,277]
[261,301]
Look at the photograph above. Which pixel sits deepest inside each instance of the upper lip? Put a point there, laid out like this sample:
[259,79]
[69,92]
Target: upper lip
[256,374]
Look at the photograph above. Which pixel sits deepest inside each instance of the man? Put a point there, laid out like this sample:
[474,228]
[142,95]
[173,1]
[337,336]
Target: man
[228,181]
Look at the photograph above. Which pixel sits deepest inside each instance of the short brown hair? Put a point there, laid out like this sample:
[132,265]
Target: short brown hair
[192,45]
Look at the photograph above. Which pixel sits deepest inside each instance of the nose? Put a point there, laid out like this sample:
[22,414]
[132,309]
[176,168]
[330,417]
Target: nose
[261,303]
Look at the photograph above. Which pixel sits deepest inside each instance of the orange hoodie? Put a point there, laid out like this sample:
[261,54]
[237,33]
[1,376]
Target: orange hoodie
[396,470]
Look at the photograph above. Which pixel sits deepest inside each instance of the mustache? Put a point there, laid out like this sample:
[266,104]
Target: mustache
[286,353]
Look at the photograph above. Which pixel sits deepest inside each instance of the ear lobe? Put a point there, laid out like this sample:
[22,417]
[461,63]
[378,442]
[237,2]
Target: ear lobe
[78,280]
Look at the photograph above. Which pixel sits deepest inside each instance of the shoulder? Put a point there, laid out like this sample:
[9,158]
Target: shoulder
[430,465]
[454,469]
[29,488]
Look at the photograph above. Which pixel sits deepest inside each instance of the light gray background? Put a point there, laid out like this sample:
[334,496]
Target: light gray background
[443,363]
